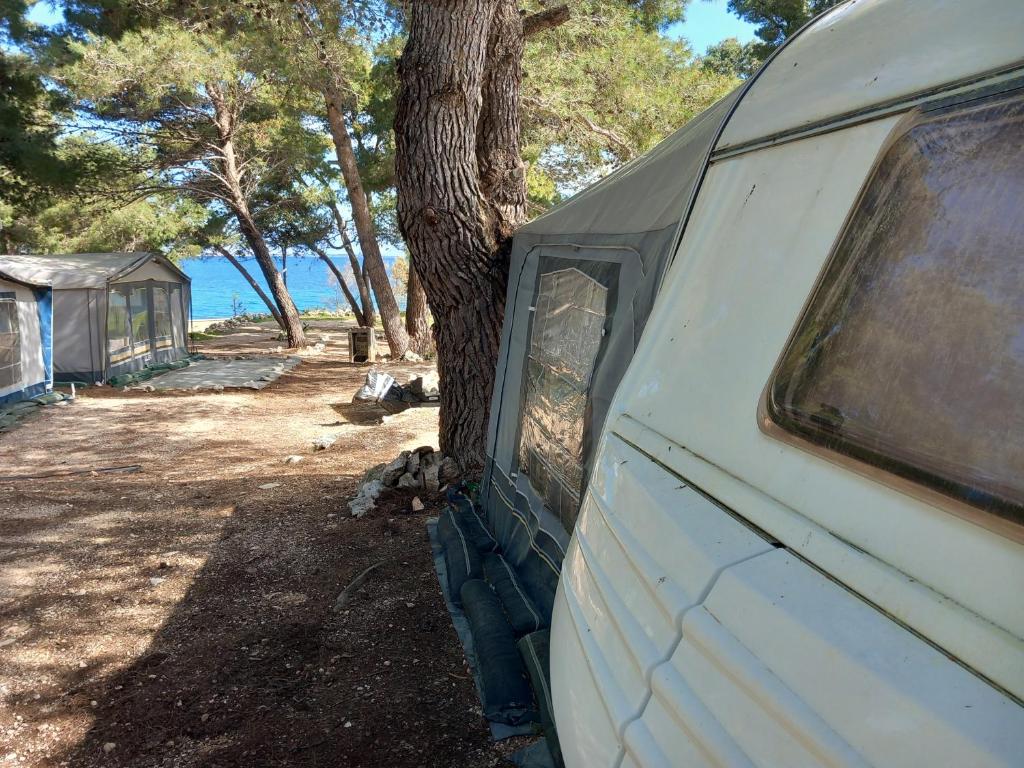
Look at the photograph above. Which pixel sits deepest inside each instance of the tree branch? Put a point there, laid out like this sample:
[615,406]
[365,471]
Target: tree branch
[547,19]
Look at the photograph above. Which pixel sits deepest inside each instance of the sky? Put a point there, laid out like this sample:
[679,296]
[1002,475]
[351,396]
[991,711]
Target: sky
[707,22]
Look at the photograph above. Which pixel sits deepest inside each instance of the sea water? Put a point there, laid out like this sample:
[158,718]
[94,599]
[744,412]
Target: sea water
[219,290]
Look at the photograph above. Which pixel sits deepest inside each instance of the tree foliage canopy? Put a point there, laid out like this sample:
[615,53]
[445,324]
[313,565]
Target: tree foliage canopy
[777,20]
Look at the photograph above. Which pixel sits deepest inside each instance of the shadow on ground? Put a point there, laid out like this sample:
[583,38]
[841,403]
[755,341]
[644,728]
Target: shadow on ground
[183,616]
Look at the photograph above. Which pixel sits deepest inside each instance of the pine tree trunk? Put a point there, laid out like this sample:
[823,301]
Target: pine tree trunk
[417,320]
[289,312]
[373,263]
[252,283]
[369,313]
[356,310]
[447,223]
[235,200]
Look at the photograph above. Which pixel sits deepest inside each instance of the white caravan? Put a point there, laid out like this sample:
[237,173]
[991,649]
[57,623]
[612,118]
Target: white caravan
[802,541]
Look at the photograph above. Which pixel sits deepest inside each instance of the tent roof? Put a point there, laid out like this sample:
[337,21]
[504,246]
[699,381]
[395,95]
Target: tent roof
[79,270]
[645,195]
[12,279]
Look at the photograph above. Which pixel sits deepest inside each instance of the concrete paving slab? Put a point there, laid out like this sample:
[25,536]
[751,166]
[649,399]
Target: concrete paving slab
[250,373]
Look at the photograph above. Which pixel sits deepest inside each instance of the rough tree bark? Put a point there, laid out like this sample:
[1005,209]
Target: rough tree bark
[252,283]
[369,311]
[444,217]
[417,319]
[235,199]
[352,302]
[373,263]
[461,189]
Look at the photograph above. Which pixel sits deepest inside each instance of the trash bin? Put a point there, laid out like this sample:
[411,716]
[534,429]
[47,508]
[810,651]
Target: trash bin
[362,345]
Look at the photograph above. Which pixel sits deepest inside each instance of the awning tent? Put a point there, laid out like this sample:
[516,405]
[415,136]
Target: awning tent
[583,278]
[26,342]
[112,312]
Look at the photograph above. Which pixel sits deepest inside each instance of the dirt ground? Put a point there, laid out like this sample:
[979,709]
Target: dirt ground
[183,616]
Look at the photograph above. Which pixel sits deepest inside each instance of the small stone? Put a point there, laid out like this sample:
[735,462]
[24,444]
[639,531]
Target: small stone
[324,442]
[449,471]
[204,717]
[82,665]
[412,464]
[109,747]
[268,486]
[94,703]
[156,581]
[293,459]
[431,470]
[394,469]
[348,723]
[409,481]
[417,505]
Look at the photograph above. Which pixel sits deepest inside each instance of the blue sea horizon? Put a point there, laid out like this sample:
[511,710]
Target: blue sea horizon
[219,290]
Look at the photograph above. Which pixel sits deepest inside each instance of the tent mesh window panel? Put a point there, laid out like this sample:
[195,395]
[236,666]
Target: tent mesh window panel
[162,318]
[119,330]
[140,320]
[10,344]
[177,318]
[566,337]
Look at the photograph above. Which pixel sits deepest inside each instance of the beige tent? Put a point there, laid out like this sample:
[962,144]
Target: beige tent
[112,312]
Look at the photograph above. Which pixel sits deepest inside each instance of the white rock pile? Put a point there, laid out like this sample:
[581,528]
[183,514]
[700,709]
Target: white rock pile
[421,470]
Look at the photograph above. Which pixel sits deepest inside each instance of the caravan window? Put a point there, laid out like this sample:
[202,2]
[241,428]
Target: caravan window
[910,355]
[568,326]
[10,344]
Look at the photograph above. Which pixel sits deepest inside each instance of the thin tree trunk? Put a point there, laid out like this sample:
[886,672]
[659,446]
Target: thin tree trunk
[289,313]
[369,311]
[444,219]
[252,283]
[284,265]
[373,263]
[417,320]
[341,282]
[224,121]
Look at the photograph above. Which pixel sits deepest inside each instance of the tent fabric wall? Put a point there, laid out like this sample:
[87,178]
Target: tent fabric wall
[78,353]
[623,231]
[29,306]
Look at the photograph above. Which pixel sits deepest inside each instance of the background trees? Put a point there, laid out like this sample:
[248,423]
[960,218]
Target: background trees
[340,128]
[777,20]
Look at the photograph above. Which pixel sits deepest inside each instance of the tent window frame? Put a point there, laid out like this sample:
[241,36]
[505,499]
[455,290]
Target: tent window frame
[163,336]
[141,345]
[563,501]
[11,373]
[824,437]
[123,352]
